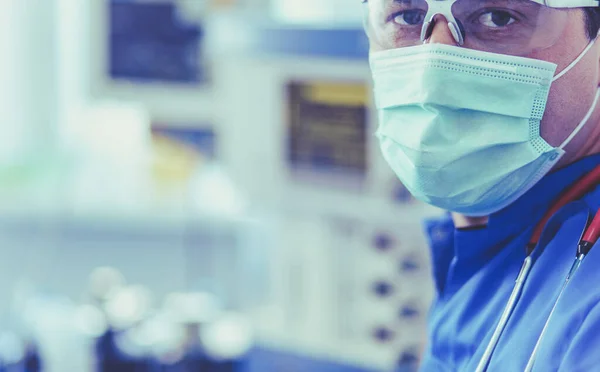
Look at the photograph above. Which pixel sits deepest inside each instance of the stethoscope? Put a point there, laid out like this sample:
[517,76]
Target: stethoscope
[589,238]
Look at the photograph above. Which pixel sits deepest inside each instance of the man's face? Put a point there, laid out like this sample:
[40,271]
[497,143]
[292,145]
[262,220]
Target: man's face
[570,97]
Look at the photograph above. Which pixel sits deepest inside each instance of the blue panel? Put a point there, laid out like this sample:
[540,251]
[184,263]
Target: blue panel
[251,34]
[332,43]
[149,42]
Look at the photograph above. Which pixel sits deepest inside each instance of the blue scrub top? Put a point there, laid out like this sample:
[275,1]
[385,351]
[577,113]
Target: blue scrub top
[475,271]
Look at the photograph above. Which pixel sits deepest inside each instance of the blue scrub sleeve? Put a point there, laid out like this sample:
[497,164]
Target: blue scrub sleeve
[583,354]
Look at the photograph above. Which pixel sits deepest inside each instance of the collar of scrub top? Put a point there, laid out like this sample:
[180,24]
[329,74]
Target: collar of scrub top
[517,218]
[472,249]
[444,7]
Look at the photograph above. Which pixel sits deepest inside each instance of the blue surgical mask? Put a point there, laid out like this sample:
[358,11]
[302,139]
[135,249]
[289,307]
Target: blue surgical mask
[461,128]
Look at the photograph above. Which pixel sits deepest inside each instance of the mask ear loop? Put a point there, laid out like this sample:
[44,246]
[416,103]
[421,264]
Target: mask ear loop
[579,58]
[596,99]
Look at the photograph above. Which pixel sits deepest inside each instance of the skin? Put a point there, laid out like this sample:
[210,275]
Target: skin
[570,97]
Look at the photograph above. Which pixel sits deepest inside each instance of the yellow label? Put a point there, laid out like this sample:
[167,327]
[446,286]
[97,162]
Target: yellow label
[346,94]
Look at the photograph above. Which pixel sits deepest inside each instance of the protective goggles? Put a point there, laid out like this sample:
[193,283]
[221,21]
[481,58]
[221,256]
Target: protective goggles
[513,27]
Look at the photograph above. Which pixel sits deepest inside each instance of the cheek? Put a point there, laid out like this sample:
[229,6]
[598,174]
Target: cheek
[570,96]
[569,101]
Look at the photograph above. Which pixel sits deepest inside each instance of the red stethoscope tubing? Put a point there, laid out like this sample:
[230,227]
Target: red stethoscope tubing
[593,232]
[578,190]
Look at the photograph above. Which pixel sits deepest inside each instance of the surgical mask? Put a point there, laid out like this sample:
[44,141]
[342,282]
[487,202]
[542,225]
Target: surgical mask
[461,128]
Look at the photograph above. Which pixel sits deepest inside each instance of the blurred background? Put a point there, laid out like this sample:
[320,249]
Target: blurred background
[194,185]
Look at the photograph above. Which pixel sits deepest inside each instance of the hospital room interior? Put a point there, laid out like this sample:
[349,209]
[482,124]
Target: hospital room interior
[196,186]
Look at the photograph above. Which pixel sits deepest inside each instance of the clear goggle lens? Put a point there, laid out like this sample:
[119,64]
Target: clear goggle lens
[513,27]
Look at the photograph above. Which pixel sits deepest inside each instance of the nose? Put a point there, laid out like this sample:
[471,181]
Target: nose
[440,34]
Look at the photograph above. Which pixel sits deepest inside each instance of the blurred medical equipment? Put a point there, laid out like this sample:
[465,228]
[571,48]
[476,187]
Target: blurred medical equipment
[315,11]
[28,99]
[118,328]
[289,107]
[172,163]
[350,269]
[106,207]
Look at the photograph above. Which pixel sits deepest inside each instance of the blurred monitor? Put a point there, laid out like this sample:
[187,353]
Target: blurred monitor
[150,41]
[327,127]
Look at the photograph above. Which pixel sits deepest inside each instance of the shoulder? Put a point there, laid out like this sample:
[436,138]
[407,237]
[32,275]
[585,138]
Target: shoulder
[581,354]
[584,303]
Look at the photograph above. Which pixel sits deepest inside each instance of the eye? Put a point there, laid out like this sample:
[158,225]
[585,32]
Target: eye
[496,19]
[410,17]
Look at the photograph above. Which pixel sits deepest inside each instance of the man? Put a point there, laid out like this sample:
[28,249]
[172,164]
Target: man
[489,109]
